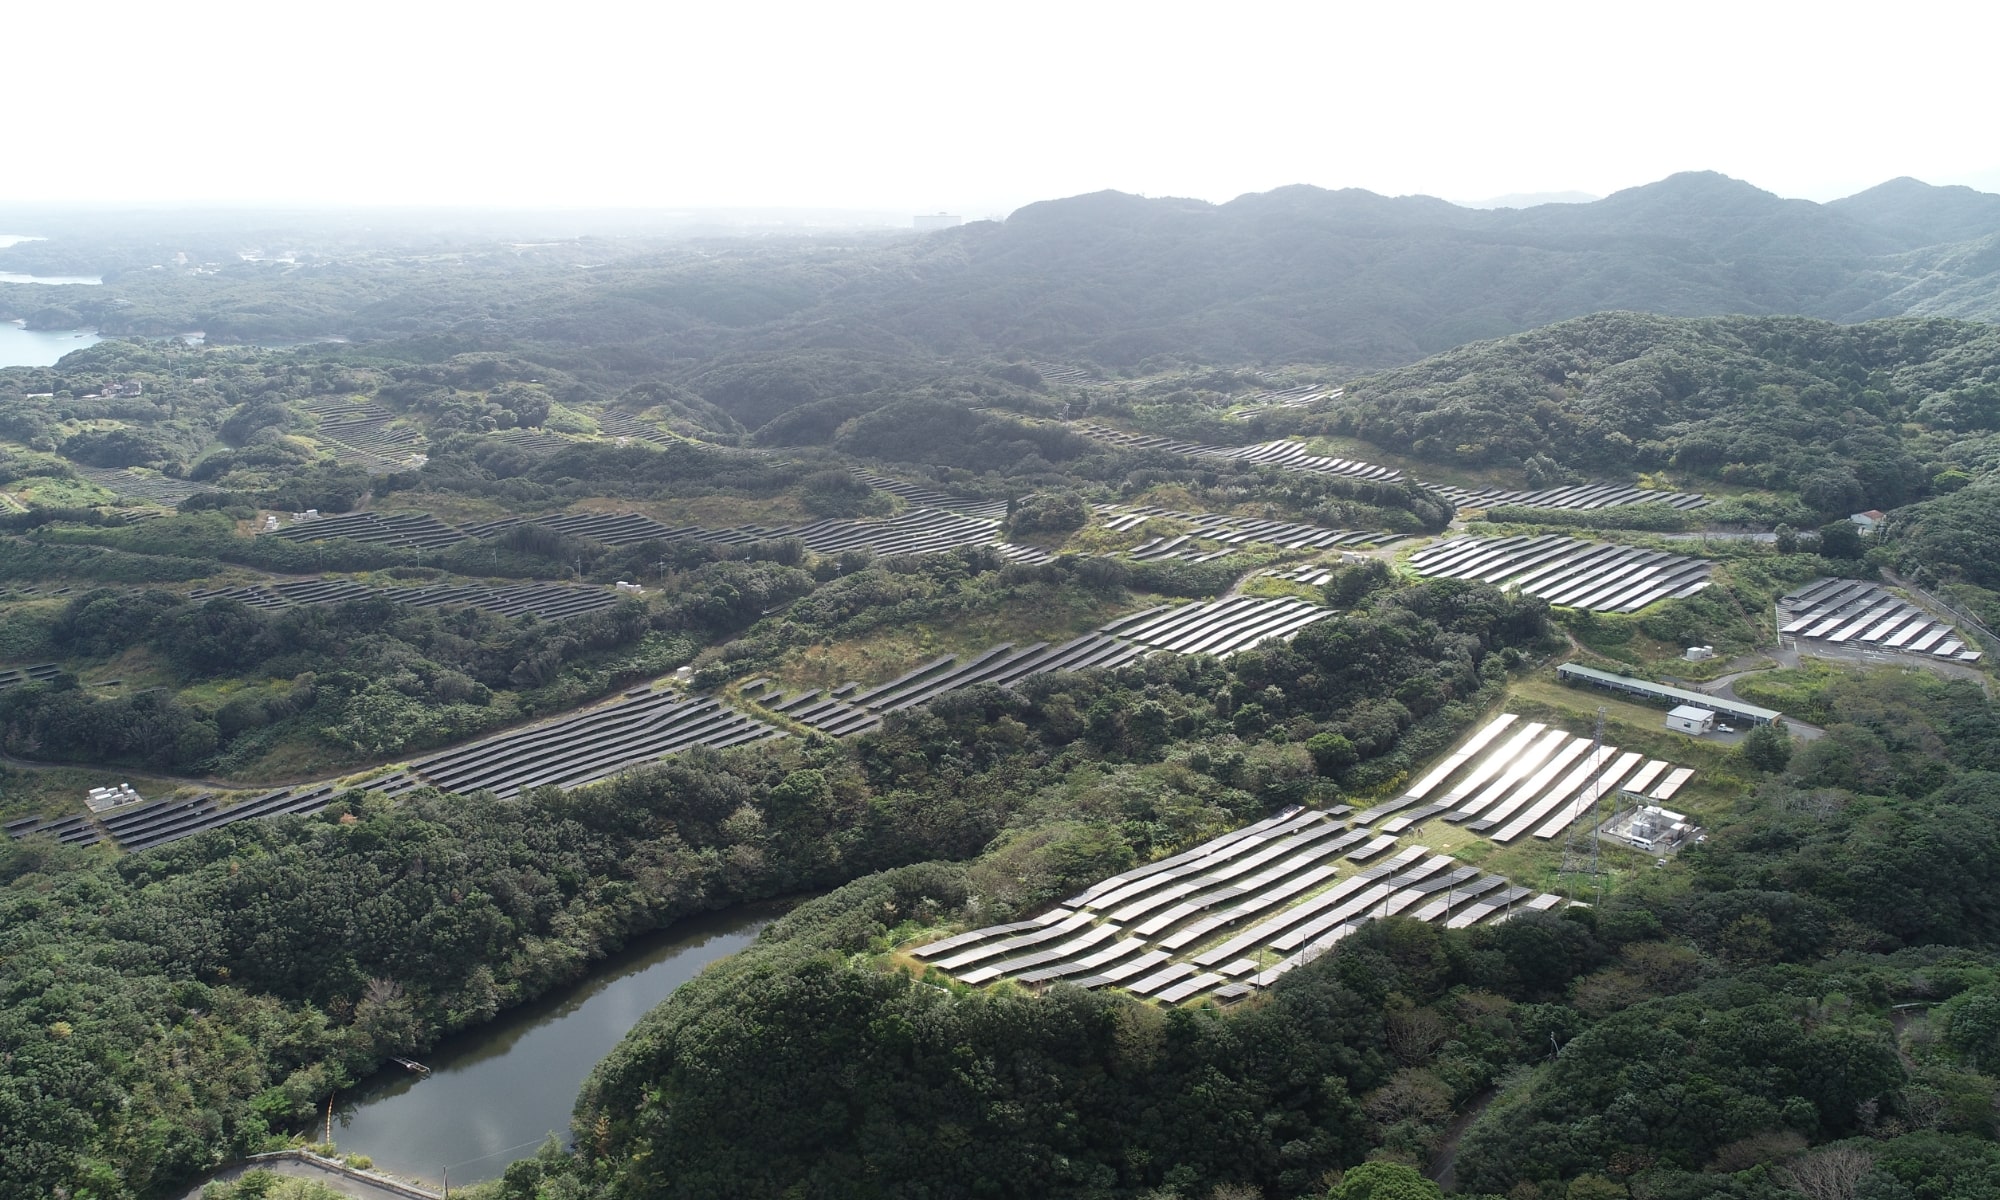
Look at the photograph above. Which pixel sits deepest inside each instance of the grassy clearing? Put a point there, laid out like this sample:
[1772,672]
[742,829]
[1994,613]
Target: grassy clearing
[1265,585]
[59,791]
[883,655]
[448,507]
[52,492]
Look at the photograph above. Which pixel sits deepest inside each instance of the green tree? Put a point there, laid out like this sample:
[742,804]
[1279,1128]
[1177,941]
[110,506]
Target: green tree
[1839,539]
[1767,747]
[1384,1181]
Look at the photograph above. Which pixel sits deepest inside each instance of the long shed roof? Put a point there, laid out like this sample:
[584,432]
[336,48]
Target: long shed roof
[1626,683]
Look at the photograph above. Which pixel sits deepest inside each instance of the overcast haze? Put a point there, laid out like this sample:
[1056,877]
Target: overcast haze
[920,107]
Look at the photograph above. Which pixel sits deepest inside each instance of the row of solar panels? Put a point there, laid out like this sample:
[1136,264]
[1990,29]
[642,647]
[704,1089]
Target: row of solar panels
[544,601]
[1851,612]
[1539,780]
[1292,456]
[1600,576]
[1229,915]
[1583,497]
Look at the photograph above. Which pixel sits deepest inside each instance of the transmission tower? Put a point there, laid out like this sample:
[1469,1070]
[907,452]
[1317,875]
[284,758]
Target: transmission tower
[1576,859]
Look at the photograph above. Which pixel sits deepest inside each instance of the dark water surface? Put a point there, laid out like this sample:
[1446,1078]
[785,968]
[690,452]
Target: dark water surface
[495,1093]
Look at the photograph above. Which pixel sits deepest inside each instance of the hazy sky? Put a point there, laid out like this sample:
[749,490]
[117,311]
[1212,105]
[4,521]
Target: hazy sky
[918,107]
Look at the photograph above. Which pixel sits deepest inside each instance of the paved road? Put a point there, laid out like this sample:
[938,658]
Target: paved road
[345,1184]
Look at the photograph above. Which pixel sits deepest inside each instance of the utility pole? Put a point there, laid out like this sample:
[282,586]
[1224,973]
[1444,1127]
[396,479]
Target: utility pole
[1573,852]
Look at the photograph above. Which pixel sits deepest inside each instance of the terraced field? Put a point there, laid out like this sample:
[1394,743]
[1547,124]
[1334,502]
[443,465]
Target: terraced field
[1514,778]
[1231,915]
[1845,612]
[1598,576]
[545,601]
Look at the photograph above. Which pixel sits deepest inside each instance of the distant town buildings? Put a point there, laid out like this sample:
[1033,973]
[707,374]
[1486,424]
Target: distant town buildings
[927,222]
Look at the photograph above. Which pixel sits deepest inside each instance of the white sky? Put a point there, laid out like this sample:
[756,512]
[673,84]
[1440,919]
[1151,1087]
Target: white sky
[924,106]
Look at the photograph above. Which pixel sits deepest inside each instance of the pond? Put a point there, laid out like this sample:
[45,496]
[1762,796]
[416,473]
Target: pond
[494,1094]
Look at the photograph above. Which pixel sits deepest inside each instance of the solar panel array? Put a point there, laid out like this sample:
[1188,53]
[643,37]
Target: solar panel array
[849,709]
[1847,612]
[141,485]
[1232,914]
[414,531]
[16,676]
[1599,576]
[1514,778]
[621,424]
[1293,397]
[1062,372]
[365,434]
[1219,627]
[569,752]
[929,497]
[917,531]
[544,601]
[591,745]
[1292,456]
[1310,574]
[1586,496]
[141,827]
[1231,532]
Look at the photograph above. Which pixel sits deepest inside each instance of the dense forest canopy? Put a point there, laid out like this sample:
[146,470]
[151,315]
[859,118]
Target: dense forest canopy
[559,479]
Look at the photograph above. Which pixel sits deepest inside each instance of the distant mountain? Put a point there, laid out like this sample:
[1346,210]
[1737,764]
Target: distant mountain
[1923,215]
[1297,274]
[1302,273]
[1531,199]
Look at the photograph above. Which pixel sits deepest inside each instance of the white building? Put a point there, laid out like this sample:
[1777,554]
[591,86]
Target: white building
[1686,718]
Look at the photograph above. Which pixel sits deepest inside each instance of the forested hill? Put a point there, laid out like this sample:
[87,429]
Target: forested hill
[1350,276]
[1874,415]
[1292,275]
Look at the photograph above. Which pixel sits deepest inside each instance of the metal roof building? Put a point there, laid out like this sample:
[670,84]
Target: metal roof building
[1660,693]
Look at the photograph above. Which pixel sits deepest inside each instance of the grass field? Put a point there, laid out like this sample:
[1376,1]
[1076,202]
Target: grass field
[883,655]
